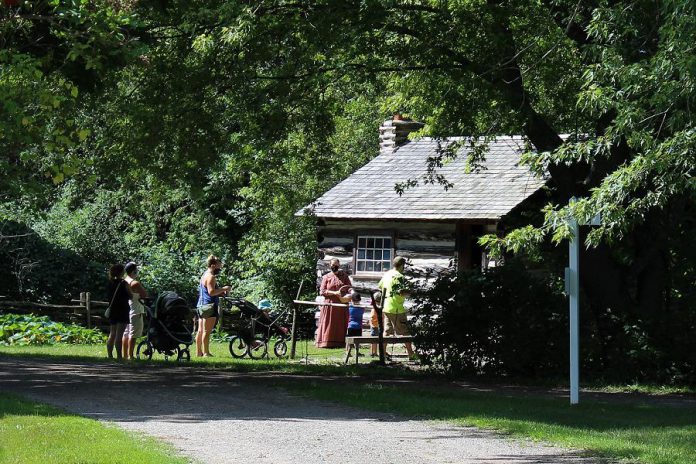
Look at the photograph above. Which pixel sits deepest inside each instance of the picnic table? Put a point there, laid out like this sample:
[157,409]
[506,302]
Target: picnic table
[356,341]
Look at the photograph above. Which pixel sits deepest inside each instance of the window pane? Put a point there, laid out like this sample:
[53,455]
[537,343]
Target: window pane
[361,254]
[378,255]
[361,265]
[370,243]
[361,242]
[378,267]
[370,254]
[387,243]
[386,255]
[386,265]
[369,266]
[378,242]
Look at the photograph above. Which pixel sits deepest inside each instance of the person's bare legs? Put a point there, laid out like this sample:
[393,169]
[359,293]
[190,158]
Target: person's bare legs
[131,346]
[115,339]
[111,341]
[120,329]
[208,325]
[199,338]
[125,343]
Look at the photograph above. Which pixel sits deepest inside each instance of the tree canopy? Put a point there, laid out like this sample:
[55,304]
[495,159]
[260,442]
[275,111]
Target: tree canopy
[186,126]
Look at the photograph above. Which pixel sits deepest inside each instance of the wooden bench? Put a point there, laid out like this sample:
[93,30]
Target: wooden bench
[356,341]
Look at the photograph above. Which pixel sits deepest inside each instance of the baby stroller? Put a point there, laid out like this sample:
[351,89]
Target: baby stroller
[168,330]
[262,327]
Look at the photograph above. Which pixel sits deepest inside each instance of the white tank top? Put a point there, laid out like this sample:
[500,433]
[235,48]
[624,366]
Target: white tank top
[135,305]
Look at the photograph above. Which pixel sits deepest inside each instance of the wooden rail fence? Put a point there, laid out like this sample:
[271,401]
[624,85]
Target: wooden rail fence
[86,311]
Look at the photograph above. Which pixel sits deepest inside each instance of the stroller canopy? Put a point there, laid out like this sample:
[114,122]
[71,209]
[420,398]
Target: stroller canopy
[169,305]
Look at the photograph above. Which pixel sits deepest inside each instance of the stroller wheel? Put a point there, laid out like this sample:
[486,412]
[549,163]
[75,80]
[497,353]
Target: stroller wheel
[280,348]
[183,354]
[238,347]
[258,348]
[144,350]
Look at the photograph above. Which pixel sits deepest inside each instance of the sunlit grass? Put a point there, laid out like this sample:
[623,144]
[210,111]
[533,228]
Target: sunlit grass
[36,433]
[309,359]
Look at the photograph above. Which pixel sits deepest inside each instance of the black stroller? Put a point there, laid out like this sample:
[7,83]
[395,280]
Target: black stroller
[262,328]
[168,329]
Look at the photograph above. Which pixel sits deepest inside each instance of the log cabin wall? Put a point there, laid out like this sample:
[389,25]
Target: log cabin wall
[430,247]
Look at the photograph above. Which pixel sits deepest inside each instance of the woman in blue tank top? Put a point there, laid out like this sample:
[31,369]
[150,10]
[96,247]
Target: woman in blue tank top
[208,304]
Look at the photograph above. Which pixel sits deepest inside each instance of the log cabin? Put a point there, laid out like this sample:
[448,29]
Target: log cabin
[364,222]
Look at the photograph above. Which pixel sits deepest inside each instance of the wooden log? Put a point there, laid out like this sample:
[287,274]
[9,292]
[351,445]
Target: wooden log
[29,304]
[328,303]
[94,302]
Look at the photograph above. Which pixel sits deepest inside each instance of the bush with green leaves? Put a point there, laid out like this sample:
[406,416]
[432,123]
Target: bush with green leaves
[496,321]
[514,322]
[20,329]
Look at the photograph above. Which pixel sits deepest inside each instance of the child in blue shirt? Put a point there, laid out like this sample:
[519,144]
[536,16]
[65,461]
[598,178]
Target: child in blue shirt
[355,316]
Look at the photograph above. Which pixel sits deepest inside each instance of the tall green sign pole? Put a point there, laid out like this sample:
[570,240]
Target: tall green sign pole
[573,289]
[572,283]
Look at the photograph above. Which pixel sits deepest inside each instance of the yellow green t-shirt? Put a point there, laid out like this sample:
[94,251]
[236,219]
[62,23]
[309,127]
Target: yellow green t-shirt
[393,302]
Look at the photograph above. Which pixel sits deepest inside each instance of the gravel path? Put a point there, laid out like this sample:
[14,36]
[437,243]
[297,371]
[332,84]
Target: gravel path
[223,417]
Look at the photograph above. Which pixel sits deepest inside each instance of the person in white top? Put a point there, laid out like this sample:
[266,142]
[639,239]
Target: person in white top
[134,330]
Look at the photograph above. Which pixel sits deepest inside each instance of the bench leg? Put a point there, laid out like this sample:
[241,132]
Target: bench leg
[350,348]
[357,353]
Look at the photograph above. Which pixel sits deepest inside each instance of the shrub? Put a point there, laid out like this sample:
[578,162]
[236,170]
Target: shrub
[499,321]
[16,329]
[512,321]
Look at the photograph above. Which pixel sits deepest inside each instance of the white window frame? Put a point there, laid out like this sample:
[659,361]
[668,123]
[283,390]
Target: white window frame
[386,262]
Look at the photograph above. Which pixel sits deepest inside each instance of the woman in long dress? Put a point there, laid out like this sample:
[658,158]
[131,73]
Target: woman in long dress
[333,321]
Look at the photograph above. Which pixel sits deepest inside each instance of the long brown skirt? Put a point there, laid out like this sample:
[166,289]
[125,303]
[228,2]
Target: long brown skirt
[333,323]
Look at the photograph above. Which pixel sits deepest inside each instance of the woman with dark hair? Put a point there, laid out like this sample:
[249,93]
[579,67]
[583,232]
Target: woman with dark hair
[118,293]
[208,304]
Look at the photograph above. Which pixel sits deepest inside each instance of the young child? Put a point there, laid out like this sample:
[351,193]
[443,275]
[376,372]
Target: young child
[355,316]
[374,321]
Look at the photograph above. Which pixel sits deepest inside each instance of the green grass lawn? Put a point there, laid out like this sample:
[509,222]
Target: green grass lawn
[317,361]
[634,432]
[37,433]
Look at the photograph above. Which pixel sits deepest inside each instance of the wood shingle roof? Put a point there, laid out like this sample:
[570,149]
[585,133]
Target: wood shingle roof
[486,195]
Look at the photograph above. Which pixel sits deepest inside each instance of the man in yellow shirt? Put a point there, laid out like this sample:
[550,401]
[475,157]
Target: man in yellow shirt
[393,286]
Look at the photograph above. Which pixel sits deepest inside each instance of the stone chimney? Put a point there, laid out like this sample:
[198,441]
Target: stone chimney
[394,132]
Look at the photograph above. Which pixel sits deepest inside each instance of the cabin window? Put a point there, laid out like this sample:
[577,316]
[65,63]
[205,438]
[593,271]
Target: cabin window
[373,253]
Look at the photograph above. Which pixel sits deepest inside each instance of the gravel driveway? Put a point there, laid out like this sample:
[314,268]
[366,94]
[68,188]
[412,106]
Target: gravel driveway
[224,417]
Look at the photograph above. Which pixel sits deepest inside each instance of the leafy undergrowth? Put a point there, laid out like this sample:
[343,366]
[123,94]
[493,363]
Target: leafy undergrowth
[37,433]
[23,329]
[635,432]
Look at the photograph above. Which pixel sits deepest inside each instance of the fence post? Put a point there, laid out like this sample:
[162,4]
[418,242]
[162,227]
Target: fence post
[88,308]
[82,299]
